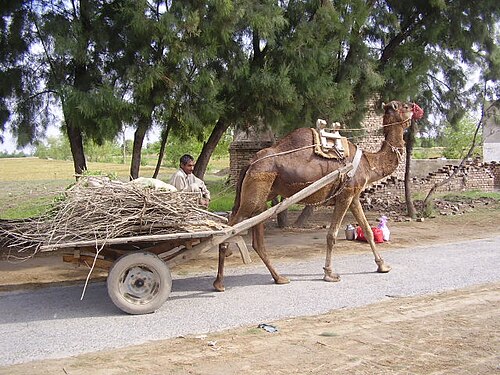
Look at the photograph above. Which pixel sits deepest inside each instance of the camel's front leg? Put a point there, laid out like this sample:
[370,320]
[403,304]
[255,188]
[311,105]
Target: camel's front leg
[258,245]
[358,213]
[340,208]
[219,281]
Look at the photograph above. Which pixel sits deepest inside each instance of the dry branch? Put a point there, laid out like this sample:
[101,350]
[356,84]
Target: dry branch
[108,209]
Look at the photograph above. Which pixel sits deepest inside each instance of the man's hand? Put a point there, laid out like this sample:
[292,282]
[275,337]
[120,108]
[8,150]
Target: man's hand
[204,202]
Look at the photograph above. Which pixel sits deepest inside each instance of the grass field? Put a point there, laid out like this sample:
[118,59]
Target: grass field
[28,186]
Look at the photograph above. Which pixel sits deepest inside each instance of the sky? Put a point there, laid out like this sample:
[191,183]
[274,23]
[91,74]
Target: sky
[9,144]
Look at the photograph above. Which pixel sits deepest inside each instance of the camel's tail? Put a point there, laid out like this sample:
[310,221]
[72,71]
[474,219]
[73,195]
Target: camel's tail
[237,198]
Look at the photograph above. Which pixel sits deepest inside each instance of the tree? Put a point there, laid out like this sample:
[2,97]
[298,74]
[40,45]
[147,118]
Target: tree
[458,138]
[19,103]
[59,64]
[192,65]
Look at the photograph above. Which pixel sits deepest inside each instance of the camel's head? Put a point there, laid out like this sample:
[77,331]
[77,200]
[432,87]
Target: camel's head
[397,112]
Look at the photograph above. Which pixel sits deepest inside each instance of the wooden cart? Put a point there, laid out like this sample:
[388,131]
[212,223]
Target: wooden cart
[139,279]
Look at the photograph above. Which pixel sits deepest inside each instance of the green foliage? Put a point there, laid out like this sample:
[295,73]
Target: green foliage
[112,152]
[4,154]
[458,139]
[110,175]
[185,65]
[471,195]
[178,146]
[57,148]
[222,195]
[108,151]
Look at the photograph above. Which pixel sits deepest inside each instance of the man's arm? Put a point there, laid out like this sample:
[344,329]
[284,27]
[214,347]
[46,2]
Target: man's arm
[178,181]
[204,190]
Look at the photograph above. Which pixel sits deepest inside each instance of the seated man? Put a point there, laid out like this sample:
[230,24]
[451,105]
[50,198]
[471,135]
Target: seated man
[185,180]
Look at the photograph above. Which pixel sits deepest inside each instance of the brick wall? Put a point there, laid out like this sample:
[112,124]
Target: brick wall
[475,175]
[494,168]
[372,140]
[240,153]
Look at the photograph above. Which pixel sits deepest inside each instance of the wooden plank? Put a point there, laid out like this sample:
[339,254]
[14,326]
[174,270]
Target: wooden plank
[242,246]
[87,261]
[134,239]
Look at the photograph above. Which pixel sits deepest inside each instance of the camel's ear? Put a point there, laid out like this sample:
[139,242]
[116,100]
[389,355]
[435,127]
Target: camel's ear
[382,106]
[394,105]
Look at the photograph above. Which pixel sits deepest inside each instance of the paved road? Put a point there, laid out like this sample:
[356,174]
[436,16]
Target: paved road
[54,323]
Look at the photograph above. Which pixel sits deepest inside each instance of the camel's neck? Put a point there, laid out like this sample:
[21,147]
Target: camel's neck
[385,161]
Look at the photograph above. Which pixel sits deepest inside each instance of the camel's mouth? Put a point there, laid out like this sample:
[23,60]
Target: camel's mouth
[418,112]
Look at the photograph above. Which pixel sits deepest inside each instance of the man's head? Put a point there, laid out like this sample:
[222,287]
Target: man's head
[187,163]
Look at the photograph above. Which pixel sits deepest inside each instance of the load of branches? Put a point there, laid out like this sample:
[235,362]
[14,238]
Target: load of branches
[101,209]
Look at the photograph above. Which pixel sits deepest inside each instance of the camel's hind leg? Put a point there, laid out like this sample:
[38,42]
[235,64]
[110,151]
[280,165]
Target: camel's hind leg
[258,245]
[358,213]
[341,205]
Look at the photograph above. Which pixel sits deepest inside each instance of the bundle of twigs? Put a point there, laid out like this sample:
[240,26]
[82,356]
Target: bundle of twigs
[109,209]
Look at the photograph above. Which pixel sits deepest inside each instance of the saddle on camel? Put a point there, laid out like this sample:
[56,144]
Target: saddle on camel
[301,158]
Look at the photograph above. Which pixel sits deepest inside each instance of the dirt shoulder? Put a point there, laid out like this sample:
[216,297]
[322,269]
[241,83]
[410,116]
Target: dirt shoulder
[448,333]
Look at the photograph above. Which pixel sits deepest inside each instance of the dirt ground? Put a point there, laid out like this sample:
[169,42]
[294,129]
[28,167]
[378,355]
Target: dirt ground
[448,333]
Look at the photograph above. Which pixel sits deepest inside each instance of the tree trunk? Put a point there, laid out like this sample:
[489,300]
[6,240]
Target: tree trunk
[82,82]
[143,125]
[76,146]
[281,217]
[164,137]
[410,142]
[209,147]
[304,216]
[124,147]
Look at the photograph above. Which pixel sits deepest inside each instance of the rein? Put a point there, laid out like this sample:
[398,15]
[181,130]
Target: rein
[398,123]
[382,126]
[281,153]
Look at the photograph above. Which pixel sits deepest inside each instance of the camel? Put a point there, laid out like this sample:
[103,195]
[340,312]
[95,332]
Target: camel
[291,164]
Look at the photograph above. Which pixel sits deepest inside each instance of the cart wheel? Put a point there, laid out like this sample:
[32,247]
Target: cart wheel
[139,283]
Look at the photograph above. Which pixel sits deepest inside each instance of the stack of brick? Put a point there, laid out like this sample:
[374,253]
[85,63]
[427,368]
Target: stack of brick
[494,168]
[372,140]
[474,175]
[240,154]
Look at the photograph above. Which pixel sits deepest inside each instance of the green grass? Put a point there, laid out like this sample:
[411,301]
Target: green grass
[29,208]
[455,197]
[427,152]
[35,169]
[459,196]
[222,194]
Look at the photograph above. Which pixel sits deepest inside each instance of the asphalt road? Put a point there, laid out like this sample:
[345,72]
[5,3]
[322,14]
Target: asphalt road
[54,323]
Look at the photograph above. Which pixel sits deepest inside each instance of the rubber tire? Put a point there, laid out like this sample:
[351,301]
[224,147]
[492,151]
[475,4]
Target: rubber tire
[156,289]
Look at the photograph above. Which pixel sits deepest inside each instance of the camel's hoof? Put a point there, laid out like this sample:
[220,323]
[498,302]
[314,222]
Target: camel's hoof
[229,253]
[281,280]
[333,278]
[383,268]
[219,287]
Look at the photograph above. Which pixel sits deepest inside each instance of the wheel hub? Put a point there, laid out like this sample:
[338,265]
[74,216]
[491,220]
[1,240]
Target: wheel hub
[139,284]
